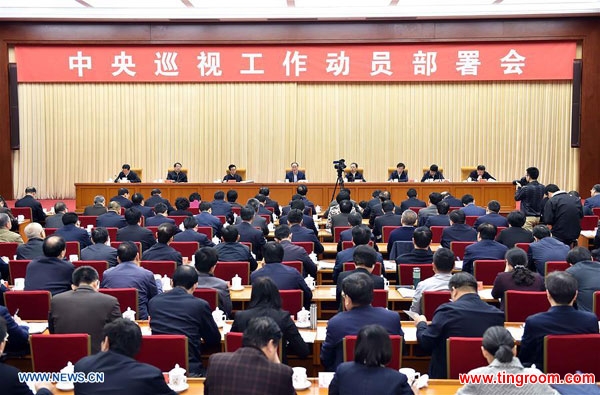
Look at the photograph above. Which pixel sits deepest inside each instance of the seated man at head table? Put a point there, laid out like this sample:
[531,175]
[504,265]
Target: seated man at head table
[480,175]
[121,342]
[50,272]
[205,262]
[231,250]
[35,239]
[400,174]
[29,200]
[357,295]
[360,236]
[561,319]
[295,175]
[161,251]
[176,175]
[433,174]
[466,316]
[98,208]
[231,175]
[354,175]
[126,175]
[364,258]
[100,250]
[292,252]
[443,264]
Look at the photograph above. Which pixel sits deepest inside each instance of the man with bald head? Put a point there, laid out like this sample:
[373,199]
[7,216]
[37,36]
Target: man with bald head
[35,239]
[50,272]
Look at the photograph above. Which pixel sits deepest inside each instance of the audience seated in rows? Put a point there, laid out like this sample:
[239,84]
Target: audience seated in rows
[231,250]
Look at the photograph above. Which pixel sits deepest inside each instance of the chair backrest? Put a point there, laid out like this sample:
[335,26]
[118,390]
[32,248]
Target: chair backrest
[380,298]
[596,211]
[49,231]
[178,219]
[416,209]
[51,353]
[236,210]
[8,249]
[463,354]
[465,171]
[523,246]
[349,344]
[221,218]
[154,230]
[85,220]
[295,264]
[194,210]
[227,270]
[291,300]
[337,230]
[127,297]
[100,266]
[266,217]
[139,171]
[556,266]
[351,266]
[112,232]
[596,304]
[458,248]
[432,300]
[233,341]
[470,219]
[247,244]
[17,268]
[589,222]
[486,270]
[386,230]
[115,244]
[24,211]
[309,246]
[207,230]
[405,272]
[437,233]
[164,351]
[401,247]
[210,295]
[32,305]
[349,244]
[160,267]
[518,305]
[572,353]
[499,229]
[72,249]
[186,248]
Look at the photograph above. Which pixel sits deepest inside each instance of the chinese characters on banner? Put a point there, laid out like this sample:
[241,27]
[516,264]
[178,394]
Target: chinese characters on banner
[504,61]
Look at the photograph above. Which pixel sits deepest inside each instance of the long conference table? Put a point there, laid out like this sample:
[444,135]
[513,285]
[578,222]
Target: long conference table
[318,193]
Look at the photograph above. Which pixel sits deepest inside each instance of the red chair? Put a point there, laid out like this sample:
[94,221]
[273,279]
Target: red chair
[237,210]
[596,211]
[210,295]
[112,233]
[24,211]
[266,217]
[499,229]
[431,300]
[32,305]
[233,341]
[380,298]
[222,218]
[227,270]
[85,220]
[349,344]
[127,297]
[596,304]
[207,230]
[416,209]
[247,244]
[194,210]
[336,232]
[160,267]
[351,266]
[572,353]
[471,219]
[17,268]
[589,222]
[458,248]
[292,300]
[49,231]
[405,272]
[518,305]
[437,233]
[271,209]
[115,244]
[307,245]
[349,244]
[386,230]
[463,354]
[556,266]
[164,351]
[100,266]
[186,248]
[51,353]
[486,270]
[154,230]
[178,220]
[72,249]
[8,249]
[523,246]
[295,264]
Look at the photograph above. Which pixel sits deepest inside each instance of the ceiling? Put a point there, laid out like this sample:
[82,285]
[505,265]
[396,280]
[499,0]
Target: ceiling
[265,10]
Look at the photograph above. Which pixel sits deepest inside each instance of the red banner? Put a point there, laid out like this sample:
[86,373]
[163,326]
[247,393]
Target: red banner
[504,61]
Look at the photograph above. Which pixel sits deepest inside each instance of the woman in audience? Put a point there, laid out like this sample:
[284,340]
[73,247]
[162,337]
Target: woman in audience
[182,205]
[500,350]
[516,276]
[368,374]
[195,200]
[265,301]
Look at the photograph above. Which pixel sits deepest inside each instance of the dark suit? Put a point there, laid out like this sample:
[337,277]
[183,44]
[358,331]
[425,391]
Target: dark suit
[290,332]
[349,323]
[96,209]
[403,233]
[257,222]
[300,233]
[290,176]
[292,252]
[18,335]
[356,378]
[206,280]
[411,202]
[155,199]
[558,320]
[284,277]
[51,274]
[177,176]
[547,249]
[10,383]
[54,221]
[437,220]
[235,252]
[123,201]
[307,222]
[378,283]
[207,219]
[513,235]
[564,213]
[158,220]
[249,234]
[587,274]
[235,177]
[468,316]
[137,233]
[30,250]
[83,311]
[100,252]
[274,204]
[402,177]
[73,233]
[132,177]
[247,371]
[485,176]
[387,219]
[340,219]
[355,177]
[484,249]
[473,210]
[591,203]
[220,207]
[452,201]
[111,220]
[37,212]
[192,235]
[458,232]
[416,256]
[178,313]
[130,275]
[122,376]
[436,176]
[491,218]
[146,211]
[347,255]
[162,252]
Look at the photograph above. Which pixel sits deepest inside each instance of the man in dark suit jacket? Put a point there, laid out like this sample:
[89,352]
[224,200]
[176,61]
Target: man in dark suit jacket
[302,190]
[176,175]
[55,221]
[358,295]
[470,208]
[560,319]
[161,251]
[307,220]
[191,233]
[466,316]
[515,232]
[127,174]
[99,251]
[431,209]
[441,219]
[432,175]
[138,203]
[284,277]
[593,201]
[72,232]
[292,252]
[112,218]
[178,312]
[257,221]
[161,216]
[451,200]
[134,232]
[122,373]
[270,202]
[492,216]
[98,208]
[405,232]
[231,250]
[35,239]
[219,206]
[83,310]
[360,236]
[250,234]
[412,201]
[295,175]
[205,262]
[458,230]
[300,233]
[122,198]
[255,368]
[564,213]
[485,248]
[544,249]
[341,219]
[364,258]
[156,197]
[480,174]
[29,200]
[50,272]
[387,219]
[206,218]
[421,253]
[400,174]
[231,175]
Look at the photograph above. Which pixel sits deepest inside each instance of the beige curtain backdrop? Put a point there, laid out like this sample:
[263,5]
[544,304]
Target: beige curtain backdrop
[84,132]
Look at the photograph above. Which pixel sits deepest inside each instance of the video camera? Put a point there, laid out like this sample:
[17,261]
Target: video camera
[339,164]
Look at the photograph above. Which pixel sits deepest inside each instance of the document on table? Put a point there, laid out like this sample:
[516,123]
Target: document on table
[410,333]
[326,265]
[308,336]
[321,333]
[516,332]
[389,265]
[406,292]
[485,293]
[36,327]
[458,265]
